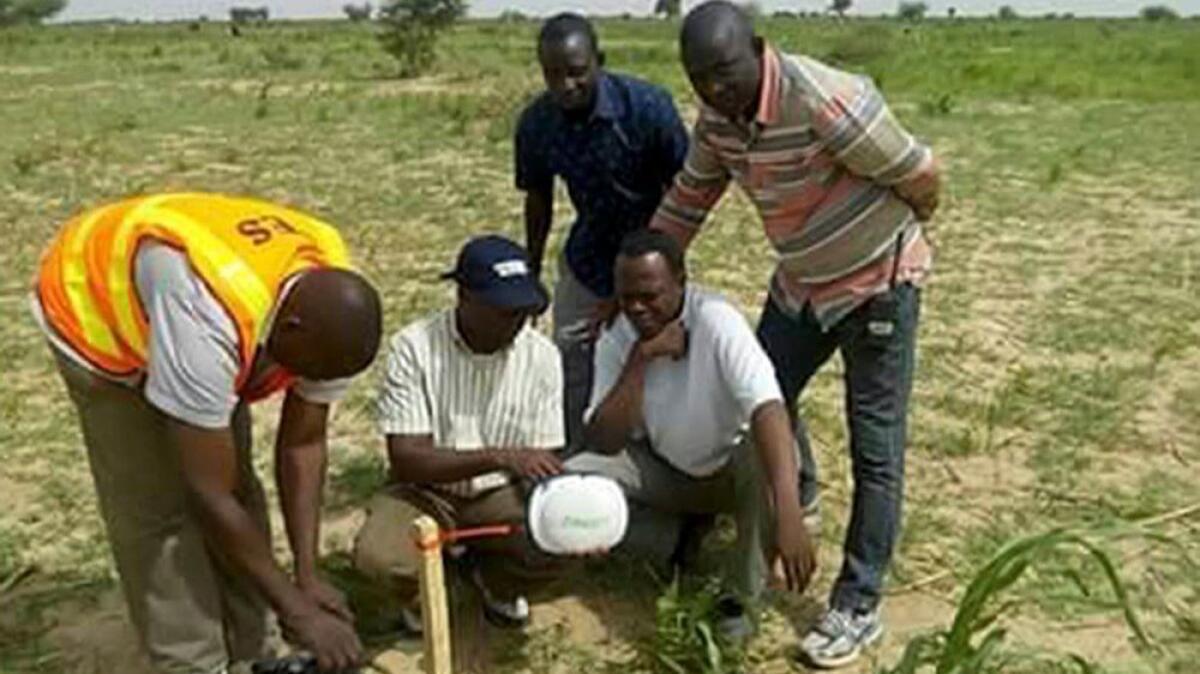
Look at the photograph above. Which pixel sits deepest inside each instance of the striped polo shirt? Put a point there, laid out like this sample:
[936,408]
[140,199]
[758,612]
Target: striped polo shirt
[433,384]
[818,161]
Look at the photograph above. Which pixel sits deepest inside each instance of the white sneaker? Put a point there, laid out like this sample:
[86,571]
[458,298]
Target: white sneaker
[812,519]
[840,637]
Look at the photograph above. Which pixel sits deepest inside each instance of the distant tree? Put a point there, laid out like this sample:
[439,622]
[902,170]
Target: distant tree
[667,8]
[411,28]
[13,12]
[951,12]
[912,11]
[1006,13]
[1159,13]
[840,6]
[784,14]
[752,8]
[513,16]
[358,13]
[248,14]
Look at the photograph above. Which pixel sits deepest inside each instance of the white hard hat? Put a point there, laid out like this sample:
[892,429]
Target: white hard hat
[576,514]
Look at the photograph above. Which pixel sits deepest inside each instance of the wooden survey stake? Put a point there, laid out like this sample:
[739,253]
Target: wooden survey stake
[435,614]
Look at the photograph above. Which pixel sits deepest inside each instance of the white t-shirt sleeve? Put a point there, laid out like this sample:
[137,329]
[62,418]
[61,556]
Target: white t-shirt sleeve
[323,391]
[403,406]
[744,366]
[608,361]
[192,364]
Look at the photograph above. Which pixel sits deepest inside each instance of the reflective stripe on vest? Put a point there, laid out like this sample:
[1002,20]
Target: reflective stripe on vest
[76,284]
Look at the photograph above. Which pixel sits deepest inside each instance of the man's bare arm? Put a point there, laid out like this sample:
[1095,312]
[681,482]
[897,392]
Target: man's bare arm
[208,462]
[539,214]
[415,459]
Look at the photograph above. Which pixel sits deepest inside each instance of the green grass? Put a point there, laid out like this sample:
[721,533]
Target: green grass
[1056,385]
[686,637]
[974,645]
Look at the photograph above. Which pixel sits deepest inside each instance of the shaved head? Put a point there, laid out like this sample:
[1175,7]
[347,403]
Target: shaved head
[722,55]
[329,325]
[566,26]
[715,27]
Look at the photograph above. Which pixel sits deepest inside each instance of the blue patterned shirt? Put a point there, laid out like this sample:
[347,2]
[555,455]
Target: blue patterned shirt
[617,163]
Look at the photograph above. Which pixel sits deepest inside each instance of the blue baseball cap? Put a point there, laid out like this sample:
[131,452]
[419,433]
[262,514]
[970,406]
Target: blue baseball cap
[498,270]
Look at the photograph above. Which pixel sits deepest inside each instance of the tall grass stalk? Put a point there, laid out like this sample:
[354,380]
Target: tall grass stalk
[685,640]
[972,645]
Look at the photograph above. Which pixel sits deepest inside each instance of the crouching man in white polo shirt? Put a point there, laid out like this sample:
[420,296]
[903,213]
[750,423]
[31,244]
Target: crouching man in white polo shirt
[471,406]
[687,417]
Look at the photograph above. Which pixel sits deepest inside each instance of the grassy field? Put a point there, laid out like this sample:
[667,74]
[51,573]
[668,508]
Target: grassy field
[1059,377]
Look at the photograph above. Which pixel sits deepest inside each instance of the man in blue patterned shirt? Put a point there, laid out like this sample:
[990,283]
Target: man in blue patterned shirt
[617,142]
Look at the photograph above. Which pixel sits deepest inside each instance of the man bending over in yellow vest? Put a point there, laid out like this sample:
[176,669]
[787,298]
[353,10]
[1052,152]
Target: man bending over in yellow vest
[168,315]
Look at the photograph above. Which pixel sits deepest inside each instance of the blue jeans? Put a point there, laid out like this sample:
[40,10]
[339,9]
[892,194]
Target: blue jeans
[877,342]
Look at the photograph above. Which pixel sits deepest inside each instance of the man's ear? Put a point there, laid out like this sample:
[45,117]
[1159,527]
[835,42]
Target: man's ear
[286,325]
[600,58]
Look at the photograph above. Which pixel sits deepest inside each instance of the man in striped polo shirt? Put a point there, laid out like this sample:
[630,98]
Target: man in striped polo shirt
[842,190]
[471,407]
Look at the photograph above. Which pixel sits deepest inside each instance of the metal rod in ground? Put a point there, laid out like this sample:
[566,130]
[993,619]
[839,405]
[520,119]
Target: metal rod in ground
[435,613]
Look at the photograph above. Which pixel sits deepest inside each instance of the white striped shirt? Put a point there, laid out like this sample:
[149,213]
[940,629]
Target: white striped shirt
[435,385]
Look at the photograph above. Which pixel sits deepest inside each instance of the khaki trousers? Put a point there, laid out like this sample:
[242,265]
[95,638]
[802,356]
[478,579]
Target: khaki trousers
[384,549]
[190,613]
[661,496]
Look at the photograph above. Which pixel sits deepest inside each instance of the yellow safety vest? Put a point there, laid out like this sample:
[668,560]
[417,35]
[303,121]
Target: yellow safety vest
[243,249]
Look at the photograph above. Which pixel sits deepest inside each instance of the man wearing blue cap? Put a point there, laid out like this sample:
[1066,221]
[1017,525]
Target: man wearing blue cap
[471,407]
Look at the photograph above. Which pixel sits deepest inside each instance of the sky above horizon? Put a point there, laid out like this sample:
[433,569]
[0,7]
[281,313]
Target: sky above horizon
[165,10]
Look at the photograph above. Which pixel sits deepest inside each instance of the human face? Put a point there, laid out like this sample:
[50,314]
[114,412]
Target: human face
[571,69]
[726,77]
[648,293]
[488,328]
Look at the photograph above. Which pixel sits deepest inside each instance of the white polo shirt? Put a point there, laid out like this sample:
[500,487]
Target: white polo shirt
[696,409]
[435,385]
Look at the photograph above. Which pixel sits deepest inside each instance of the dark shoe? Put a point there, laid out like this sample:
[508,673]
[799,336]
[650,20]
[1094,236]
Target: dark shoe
[292,664]
[733,623]
[504,613]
